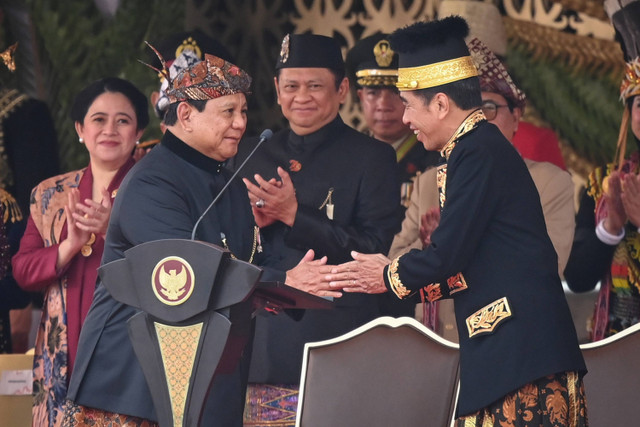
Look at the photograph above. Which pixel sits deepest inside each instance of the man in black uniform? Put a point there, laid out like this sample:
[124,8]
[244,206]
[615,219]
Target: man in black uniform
[319,185]
[373,69]
[519,354]
[162,197]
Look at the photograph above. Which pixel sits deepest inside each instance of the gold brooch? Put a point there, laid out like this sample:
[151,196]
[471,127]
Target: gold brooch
[284,49]
[86,248]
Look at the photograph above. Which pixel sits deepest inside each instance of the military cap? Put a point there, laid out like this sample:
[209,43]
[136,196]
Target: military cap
[372,63]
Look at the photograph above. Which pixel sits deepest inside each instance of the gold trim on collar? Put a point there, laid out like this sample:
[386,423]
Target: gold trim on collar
[438,74]
[470,123]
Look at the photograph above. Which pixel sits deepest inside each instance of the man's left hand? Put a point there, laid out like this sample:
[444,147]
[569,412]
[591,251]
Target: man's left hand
[273,200]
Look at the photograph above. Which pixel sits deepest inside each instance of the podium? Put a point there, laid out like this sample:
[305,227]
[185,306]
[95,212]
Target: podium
[196,305]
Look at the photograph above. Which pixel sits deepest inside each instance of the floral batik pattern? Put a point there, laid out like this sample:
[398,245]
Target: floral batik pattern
[50,361]
[553,401]
[81,416]
[50,377]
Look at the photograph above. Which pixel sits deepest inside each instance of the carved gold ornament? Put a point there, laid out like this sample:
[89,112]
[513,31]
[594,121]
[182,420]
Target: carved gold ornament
[485,320]
[383,53]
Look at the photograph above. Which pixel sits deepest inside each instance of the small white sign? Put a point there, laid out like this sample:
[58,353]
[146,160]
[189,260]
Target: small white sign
[16,383]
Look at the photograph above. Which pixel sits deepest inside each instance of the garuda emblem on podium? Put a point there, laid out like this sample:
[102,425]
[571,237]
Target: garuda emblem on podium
[172,280]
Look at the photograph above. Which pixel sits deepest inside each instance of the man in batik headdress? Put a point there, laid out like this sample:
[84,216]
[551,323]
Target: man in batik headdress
[162,197]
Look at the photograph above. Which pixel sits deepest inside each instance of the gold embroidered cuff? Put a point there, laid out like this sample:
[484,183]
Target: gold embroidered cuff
[437,74]
[486,319]
[433,292]
[394,280]
[456,283]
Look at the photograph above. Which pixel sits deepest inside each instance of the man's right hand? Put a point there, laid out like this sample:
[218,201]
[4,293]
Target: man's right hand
[310,276]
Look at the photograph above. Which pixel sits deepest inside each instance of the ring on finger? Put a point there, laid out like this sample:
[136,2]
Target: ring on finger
[260,203]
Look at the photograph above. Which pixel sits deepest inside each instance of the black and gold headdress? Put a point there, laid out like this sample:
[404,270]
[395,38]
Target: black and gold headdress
[433,54]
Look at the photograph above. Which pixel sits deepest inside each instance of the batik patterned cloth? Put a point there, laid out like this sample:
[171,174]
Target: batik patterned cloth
[81,416]
[271,405]
[553,401]
[51,352]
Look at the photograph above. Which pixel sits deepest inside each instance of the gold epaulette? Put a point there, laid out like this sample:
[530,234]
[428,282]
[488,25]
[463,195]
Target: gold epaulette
[9,207]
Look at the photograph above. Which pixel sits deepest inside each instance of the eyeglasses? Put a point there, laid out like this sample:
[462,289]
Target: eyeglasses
[490,109]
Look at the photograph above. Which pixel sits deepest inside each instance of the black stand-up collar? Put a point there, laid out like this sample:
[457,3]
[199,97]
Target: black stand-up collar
[297,144]
[190,154]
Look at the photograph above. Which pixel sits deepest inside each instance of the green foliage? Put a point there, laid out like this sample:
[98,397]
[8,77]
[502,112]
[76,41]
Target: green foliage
[79,45]
[582,106]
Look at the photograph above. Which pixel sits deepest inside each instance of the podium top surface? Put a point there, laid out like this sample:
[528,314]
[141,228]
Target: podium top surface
[284,296]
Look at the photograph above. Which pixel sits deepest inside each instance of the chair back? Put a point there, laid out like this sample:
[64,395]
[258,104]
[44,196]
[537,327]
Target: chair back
[612,384]
[388,372]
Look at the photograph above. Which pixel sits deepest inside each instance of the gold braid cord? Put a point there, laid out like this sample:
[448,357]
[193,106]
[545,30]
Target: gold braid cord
[579,52]
[593,8]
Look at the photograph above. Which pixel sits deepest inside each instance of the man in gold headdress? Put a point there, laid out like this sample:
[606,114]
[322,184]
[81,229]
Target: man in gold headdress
[490,253]
[503,104]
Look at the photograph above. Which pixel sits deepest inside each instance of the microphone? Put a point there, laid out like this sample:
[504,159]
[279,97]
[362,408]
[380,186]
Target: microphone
[264,136]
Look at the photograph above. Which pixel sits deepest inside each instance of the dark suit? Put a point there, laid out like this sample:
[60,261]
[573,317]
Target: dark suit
[161,198]
[360,174]
[492,230]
